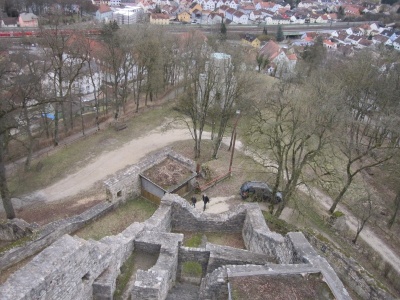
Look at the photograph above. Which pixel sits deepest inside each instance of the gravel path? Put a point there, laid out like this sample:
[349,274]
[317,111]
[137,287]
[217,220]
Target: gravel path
[107,164]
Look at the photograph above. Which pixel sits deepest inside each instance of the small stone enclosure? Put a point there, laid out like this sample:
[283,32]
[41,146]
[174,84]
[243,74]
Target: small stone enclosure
[132,181]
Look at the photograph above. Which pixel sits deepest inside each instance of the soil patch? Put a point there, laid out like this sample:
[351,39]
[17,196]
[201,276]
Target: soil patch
[44,213]
[310,286]
[168,173]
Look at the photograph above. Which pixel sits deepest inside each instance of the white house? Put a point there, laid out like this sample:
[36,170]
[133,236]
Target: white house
[240,18]
[208,5]
[255,15]
[128,15]
[214,18]
[276,21]
[114,2]
[104,13]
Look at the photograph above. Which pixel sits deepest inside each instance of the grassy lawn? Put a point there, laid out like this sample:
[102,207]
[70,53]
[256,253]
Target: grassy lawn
[191,269]
[134,210]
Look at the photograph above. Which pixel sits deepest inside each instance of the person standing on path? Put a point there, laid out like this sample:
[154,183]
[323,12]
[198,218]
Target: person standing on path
[194,200]
[205,200]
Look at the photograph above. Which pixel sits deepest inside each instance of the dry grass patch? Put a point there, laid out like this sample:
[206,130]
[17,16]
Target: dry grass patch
[134,210]
[263,287]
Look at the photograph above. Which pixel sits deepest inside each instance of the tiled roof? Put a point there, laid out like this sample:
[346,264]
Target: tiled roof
[103,8]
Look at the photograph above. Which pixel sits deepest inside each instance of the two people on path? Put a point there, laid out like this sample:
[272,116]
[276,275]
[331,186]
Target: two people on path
[205,200]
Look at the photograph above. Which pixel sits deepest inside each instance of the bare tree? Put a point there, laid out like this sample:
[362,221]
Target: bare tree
[28,92]
[365,210]
[118,64]
[196,101]
[368,133]
[233,89]
[8,109]
[15,101]
[66,61]
[290,129]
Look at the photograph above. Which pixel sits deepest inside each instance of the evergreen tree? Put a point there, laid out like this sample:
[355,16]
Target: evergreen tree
[341,12]
[223,31]
[279,35]
[265,30]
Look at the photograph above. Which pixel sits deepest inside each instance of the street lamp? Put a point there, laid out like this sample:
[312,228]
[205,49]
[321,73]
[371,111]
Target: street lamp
[234,128]
[234,140]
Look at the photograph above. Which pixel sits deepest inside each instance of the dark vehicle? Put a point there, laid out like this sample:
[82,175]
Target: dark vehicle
[259,191]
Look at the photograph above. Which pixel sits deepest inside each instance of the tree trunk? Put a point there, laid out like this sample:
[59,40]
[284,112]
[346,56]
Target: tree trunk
[30,140]
[56,138]
[82,120]
[71,115]
[64,115]
[396,210]
[5,193]
[340,196]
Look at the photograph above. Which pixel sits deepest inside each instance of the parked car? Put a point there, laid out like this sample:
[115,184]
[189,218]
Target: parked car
[259,191]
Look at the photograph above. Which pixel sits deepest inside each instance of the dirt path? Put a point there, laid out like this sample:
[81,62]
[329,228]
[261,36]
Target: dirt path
[105,165]
[367,235]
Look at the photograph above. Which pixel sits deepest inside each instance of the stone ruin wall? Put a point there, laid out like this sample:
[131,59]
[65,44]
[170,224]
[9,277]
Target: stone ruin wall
[126,183]
[73,268]
[97,278]
[349,271]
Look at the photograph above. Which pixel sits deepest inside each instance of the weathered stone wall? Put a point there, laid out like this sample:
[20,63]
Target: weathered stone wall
[258,238]
[186,218]
[64,270]
[224,255]
[51,233]
[199,255]
[156,282]
[214,285]
[121,247]
[350,272]
[305,253]
[15,229]
[161,219]
[126,183]
[381,263]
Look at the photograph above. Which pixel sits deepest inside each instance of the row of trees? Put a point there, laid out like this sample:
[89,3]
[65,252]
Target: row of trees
[337,118]
[124,66]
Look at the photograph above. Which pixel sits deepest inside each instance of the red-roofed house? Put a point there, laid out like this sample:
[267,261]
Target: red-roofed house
[104,13]
[265,5]
[364,43]
[282,63]
[351,10]
[329,45]
[159,19]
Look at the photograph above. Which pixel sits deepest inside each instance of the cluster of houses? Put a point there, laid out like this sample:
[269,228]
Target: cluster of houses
[346,41]
[350,39]
[24,20]
[238,11]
